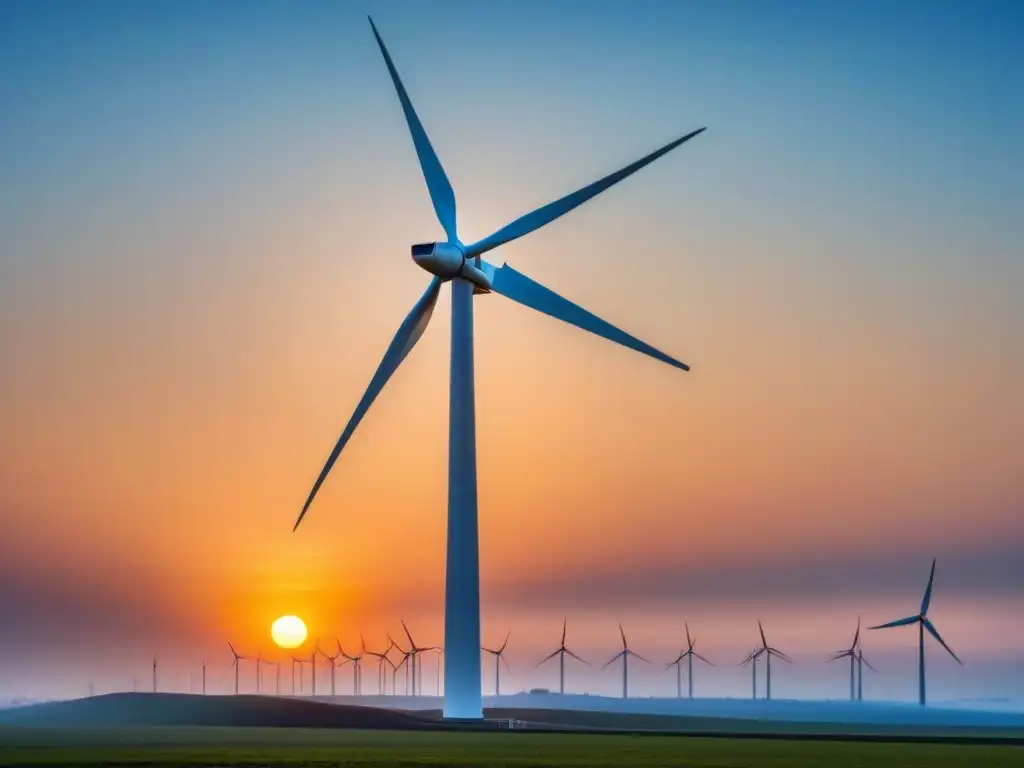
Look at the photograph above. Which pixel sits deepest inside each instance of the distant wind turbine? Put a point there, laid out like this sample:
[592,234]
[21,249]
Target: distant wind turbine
[334,663]
[154,674]
[204,677]
[624,654]
[921,619]
[357,669]
[851,652]
[382,671]
[235,663]
[561,652]
[861,663]
[462,265]
[312,664]
[300,662]
[769,652]
[689,655]
[415,650]
[752,660]
[499,659]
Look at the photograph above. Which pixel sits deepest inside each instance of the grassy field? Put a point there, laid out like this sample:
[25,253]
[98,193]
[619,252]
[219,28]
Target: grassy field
[265,747]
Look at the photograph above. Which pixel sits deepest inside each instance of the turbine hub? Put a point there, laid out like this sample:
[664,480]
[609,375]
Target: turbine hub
[448,261]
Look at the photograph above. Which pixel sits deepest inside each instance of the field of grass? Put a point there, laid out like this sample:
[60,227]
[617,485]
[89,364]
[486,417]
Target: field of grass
[266,747]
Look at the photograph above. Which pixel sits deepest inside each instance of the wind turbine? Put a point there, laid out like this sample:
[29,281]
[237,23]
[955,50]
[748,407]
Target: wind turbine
[861,663]
[415,651]
[382,672]
[921,619]
[334,662]
[312,663]
[259,670]
[154,673]
[624,654]
[406,656]
[499,659]
[234,663]
[204,677]
[560,652]
[300,662]
[852,653]
[768,652]
[357,670]
[689,655]
[752,660]
[462,265]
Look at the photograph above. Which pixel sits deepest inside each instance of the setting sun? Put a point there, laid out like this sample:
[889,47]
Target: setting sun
[288,632]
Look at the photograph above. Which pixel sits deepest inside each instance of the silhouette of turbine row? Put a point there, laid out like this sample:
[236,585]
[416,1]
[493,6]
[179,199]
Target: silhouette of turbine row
[411,657]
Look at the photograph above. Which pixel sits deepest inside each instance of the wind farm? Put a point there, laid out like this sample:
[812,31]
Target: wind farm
[293,386]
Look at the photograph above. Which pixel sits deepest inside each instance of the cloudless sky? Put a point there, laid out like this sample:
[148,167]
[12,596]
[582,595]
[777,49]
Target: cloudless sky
[205,216]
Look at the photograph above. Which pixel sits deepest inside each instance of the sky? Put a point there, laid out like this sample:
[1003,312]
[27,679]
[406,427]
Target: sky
[205,216]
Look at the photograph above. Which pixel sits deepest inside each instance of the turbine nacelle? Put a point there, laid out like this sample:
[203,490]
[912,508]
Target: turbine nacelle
[448,261]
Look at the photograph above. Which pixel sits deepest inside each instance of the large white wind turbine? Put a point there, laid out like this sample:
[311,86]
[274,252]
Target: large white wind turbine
[454,261]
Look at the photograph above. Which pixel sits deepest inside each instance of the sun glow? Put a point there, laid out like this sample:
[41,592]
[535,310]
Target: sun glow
[288,632]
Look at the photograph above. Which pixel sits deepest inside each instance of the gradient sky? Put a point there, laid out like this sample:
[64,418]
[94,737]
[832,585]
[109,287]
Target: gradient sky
[205,215]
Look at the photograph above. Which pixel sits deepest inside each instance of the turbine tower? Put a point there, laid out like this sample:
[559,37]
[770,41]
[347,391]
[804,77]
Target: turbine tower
[204,677]
[406,656]
[259,670]
[561,652]
[624,654]
[312,664]
[154,673]
[417,669]
[861,663]
[752,660]
[382,672]
[334,663]
[499,659]
[357,668]
[689,655]
[300,662]
[921,619]
[235,663]
[462,265]
[852,653]
[768,653]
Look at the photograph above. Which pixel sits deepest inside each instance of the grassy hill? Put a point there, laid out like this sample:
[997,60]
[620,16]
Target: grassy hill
[119,709]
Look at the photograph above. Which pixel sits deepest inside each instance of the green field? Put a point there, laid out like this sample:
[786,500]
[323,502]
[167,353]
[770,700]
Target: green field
[265,747]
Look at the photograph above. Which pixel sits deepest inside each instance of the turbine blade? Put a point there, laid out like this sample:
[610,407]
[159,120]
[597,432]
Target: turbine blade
[638,656]
[856,635]
[927,599]
[697,655]
[781,655]
[935,633]
[534,220]
[761,630]
[409,332]
[577,657]
[505,644]
[623,633]
[861,658]
[613,659]
[549,656]
[500,656]
[412,643]
[565,623]
[441,193]
[898,623]
[520,288]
